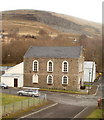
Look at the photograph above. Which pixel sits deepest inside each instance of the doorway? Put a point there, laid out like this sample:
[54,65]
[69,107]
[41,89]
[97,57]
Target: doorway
[15,82]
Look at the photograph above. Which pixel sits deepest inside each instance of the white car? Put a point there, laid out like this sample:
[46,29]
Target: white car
[3,85]
[32,93]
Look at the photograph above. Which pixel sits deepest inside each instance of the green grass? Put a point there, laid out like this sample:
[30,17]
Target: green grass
[26,111]
[11,104]
[98,113]
[64,91]
[8,99]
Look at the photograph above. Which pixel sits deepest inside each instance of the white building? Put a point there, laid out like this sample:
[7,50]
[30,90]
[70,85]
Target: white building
[89,71]
[13,77]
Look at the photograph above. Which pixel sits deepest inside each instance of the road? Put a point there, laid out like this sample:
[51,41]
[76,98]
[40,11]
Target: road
[56,111]
[65,98]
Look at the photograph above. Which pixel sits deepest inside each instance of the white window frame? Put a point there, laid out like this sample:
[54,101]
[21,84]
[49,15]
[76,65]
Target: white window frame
[48,66]
[63,66]
[48,79]
[33,79]
[63,80]
[37,66]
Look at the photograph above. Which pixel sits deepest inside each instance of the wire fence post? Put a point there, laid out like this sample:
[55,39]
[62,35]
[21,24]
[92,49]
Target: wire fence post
[39,101]
[13,107]
[45,97]
[21,105]
[28,102]
[4,108]
[34,101]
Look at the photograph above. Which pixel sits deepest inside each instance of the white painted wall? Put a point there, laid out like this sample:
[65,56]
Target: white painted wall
[10,80]
[89,71]
[20,83]
[17,69]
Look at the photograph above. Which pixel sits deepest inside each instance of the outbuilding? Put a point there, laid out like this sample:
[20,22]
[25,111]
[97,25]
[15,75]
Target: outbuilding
[13,77]
[89,71]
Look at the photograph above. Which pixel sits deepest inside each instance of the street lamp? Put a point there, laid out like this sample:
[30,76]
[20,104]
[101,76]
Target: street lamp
[89,81]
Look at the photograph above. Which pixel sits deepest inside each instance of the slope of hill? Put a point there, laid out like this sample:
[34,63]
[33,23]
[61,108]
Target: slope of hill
[58,21]
[23,28]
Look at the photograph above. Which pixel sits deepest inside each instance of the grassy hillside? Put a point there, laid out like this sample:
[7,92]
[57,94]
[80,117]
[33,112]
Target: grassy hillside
[58,21]
[23,28]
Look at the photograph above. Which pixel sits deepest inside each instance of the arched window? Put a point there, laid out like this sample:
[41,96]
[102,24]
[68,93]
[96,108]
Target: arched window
[49,79]
[35,78]
[65,66]
[49,66]
[35,65]
[65,80]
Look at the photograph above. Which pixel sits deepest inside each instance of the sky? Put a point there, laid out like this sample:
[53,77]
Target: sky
[85,9]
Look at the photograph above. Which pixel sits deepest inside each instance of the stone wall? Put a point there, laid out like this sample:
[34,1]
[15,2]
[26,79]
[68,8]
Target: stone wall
[73,73]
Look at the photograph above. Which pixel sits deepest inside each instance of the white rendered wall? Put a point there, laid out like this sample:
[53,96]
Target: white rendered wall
[89,71]
[14,72]
[10,80]
[17,69]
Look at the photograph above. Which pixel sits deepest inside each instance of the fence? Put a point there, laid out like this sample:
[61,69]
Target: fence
[21,105]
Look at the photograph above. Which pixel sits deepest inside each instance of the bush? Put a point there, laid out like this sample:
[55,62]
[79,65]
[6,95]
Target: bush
[82,87]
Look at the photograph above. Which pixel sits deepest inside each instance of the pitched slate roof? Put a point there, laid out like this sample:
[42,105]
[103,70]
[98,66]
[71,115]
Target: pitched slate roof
[53,52]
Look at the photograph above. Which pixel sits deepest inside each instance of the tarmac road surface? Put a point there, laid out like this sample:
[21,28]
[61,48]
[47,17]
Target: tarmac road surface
[68,105]
[56,111]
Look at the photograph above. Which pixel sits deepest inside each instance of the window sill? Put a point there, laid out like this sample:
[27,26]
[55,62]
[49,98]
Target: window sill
[35,83]
[64,84]
[50,71]
[49,83]
[65,72]
[36,71]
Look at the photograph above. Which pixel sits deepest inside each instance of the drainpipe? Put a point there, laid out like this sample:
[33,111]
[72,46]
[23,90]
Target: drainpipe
[89,80]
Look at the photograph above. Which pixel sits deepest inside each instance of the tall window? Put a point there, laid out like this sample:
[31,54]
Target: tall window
[49,79]
[64,80]
[65,66]
[35,65]
[49,66]
[35,78]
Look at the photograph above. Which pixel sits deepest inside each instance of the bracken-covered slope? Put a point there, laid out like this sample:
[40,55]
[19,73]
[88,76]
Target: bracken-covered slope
[24,28]
[60,22]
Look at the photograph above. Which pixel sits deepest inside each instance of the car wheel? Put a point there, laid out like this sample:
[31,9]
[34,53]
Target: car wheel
[33,95]
[20,94]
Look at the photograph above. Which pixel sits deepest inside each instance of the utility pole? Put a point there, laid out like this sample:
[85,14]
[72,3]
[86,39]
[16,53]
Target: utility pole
[89,81]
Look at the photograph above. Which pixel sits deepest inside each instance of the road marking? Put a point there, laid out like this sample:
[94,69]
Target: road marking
[80,112]
[37,111]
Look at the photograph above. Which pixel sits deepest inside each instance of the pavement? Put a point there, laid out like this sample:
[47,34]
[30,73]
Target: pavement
[95,86]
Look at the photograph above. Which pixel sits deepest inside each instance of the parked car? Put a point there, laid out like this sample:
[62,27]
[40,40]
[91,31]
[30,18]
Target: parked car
[3,85]
[29,92]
